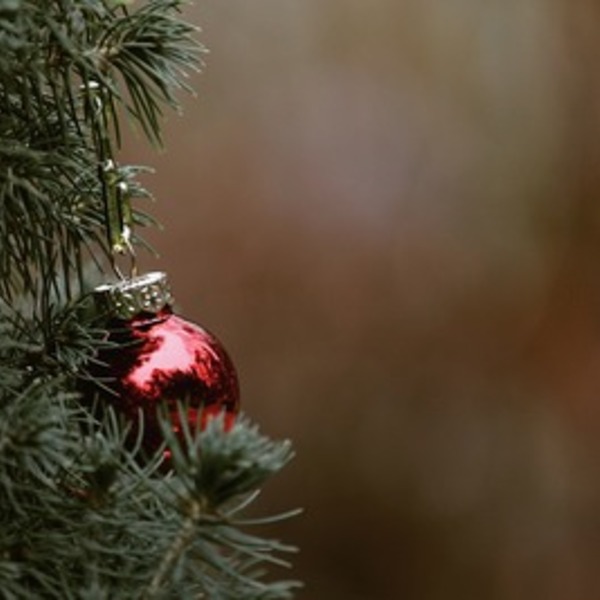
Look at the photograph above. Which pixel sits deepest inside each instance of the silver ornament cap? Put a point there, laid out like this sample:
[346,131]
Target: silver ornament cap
[125,299]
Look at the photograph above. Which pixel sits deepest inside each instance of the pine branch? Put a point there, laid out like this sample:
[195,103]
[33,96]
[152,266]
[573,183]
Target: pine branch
[216,479]
[178,547]
[65,67]
[84,513]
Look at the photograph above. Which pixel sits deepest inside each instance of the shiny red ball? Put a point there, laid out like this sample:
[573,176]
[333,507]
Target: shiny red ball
[162,359]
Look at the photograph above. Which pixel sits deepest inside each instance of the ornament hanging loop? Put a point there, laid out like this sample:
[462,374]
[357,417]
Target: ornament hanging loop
[128,249]
[114,187]
[120,221]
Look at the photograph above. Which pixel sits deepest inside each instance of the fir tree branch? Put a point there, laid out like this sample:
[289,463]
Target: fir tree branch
[180,544]
[59,65]
[83,512]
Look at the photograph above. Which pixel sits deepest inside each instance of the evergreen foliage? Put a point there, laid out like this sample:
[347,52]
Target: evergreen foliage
[82,516]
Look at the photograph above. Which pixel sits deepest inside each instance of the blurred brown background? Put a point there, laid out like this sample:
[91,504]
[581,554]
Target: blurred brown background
[389,211]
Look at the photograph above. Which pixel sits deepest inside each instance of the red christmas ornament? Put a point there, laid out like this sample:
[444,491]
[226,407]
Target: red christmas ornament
[160,358]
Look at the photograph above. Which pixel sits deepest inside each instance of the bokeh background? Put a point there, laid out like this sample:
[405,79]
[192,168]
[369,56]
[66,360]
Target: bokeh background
[389,211]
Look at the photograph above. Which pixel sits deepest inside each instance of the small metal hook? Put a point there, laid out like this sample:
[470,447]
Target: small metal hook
[125,247]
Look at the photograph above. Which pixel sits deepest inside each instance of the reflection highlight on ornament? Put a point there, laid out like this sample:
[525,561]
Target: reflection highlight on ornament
[177,351]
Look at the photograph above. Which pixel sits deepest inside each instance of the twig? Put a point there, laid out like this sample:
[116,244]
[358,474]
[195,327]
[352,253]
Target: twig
[176,549]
